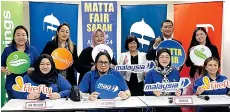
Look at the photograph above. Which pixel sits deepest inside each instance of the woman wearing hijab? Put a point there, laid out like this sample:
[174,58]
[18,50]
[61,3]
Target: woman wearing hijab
[46,74]
[163,73]
[85,59]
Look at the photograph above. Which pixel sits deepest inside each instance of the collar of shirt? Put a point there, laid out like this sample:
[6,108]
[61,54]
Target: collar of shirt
[167,39]
[97,75]
[217,77]
[16,49]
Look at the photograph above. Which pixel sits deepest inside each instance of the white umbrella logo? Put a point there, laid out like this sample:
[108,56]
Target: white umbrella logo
[51,20]
[144,30]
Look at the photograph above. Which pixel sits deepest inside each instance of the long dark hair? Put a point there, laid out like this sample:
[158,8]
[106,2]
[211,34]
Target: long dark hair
[70,43]
[204,71]
[17,28]
[194,42]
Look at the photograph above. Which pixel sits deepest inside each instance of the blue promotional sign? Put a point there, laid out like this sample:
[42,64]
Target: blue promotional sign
[45,19]
[136,68]
[142,21]
[107,86]
[168,87]
[177,52]
[100,14]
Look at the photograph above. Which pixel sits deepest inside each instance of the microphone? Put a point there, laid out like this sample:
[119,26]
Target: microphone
[204,97]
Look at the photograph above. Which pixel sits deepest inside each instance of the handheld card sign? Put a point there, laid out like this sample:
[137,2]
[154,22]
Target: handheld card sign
[18,62]
[177,52]
[199,54]
[102,48]
[183,100]
[168,87]
[35,105]
[213,85]
[62,58]
[107,86]
[136,68]
[106,103]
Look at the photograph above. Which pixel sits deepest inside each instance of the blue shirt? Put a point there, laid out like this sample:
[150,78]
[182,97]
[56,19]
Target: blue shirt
[63,87]
[153,77]
[89,80]
[199,82]
[29,50]
[219,78]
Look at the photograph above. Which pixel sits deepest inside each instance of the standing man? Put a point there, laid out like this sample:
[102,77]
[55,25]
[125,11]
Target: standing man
[167,31]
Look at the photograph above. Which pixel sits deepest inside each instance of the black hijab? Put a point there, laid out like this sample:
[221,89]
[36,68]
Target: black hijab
[38,77]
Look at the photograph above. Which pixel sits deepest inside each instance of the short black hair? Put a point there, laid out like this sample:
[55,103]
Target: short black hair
[15,29]
[129,39]
[103,53]
[165,21]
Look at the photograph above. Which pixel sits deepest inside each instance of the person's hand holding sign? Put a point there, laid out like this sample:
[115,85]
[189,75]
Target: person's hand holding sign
[157,42]
[33,96]
[157,93]
[54,96]
[199,91]
[124,95]
[7,71]
[93,96]
[178,92]
[30,70]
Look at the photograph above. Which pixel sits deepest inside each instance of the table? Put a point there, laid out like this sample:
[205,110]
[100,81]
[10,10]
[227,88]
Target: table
[63,104]
[163,101]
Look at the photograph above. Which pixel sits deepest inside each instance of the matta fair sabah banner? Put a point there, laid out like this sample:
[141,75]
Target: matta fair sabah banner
[11,16]
[102,15]
[191,15]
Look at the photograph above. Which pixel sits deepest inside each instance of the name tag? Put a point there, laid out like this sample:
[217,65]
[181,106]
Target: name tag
[183,100]
[106,103]
[35,105]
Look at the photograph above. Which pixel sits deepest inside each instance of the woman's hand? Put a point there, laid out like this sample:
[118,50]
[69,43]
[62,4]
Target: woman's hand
[93,96]
[33,96]
[157,93]
[54,96]
[178,92]
[123,95]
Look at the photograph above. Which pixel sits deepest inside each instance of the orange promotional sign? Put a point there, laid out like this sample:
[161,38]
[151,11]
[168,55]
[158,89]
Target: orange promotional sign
[191,15]
[62,58]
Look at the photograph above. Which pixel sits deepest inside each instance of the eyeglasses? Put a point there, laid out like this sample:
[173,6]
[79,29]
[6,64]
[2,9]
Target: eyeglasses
[103,62]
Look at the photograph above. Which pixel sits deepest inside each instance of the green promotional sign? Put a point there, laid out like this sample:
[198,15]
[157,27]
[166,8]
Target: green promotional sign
[18,62]
[11,16]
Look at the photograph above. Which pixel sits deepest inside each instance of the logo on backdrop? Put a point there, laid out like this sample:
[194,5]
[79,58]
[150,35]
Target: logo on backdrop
[21,87]
[107,86]
[199,54]
[144,30]
[62,58]
[177,52]
[206,26]
[18,62]
[52,21]
[168,87]
[136,68]
[141,25]
[214,85]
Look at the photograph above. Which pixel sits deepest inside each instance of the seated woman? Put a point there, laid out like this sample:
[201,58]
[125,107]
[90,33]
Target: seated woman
[210,69]
[163,73]
[46,74]
[102,67]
